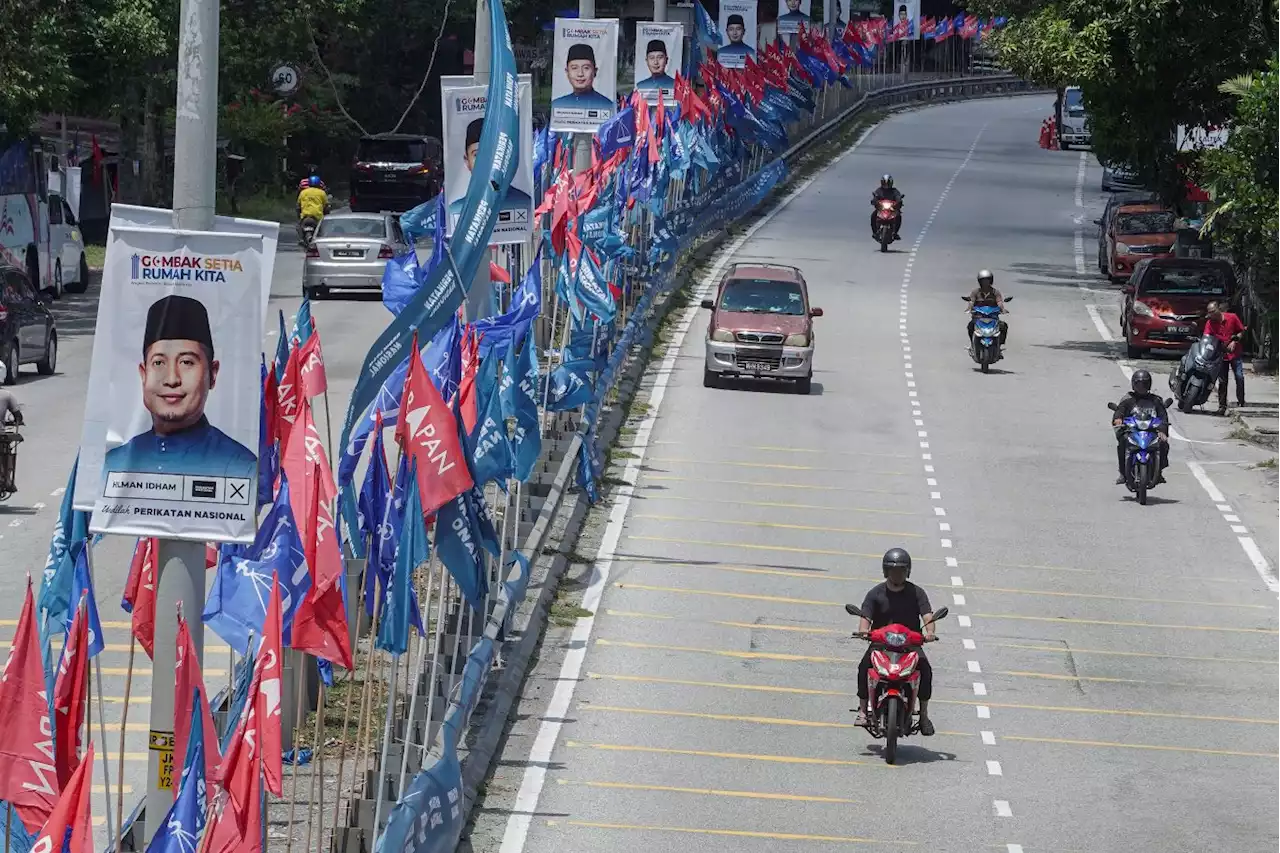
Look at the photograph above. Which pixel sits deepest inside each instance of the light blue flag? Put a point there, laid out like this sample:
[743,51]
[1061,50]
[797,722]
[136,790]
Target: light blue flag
[303,326]
[54,600]
[518,392]
[412,551]
[488,443]
[179,831]
[82,585]
[282,350]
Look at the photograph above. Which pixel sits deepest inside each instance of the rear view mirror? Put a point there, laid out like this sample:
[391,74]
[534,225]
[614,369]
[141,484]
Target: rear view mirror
[1008,299]
[1127,290]
[707,303]
[1168,402]
[1097,222]
[852,610]
[965,298]
[815,312]
[1111,406]
[939,614]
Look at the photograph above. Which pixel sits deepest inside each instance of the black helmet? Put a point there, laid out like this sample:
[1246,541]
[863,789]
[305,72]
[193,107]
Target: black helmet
[896,558]
[886,181]
[1141,382]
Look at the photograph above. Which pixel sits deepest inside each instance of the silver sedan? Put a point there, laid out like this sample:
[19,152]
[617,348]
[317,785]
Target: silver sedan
[350,252]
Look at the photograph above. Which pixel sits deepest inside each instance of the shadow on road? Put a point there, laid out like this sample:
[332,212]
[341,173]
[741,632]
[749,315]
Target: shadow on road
[76,314]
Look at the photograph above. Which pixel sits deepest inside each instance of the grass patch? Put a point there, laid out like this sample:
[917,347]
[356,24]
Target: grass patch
[95,256]
[267,206]
[1268,464]
[565,613]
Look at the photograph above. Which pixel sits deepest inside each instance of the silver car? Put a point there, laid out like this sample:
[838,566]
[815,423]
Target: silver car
[351,250]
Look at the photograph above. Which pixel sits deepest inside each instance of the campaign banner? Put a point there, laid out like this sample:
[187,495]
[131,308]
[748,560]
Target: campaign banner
[906,17]
[737,32]
[584,74]
[793,13]
[659,51]
[171,420]
[463,105]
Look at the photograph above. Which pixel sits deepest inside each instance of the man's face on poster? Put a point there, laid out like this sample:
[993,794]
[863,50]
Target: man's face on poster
[793,5]
[902,14]
[470,156]
[581,74]
[735,33]
[656,60]
[177,377]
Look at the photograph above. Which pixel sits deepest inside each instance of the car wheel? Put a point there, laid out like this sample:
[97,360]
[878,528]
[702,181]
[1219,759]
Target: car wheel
[82,283]
[11,364]
[47,365]
[315,292]
[804,386]
[57,280]
[709,379]
[1065,146]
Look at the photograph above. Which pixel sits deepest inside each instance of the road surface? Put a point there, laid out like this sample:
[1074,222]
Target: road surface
[1107,678]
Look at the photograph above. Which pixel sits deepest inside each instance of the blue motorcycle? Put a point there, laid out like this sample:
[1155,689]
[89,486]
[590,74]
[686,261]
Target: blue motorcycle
[1142,449]
[984,343]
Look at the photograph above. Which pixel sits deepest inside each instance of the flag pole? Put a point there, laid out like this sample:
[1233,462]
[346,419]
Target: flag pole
[317,753]
[88,688]
[300,676]
[346,715]
[386,744]
[436,638]
[413,699]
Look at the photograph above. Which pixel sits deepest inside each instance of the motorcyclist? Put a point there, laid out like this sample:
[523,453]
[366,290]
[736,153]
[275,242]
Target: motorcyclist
[10,412]
[897,601]
[313,205]
[986,294]
[1140,394]
[888,191]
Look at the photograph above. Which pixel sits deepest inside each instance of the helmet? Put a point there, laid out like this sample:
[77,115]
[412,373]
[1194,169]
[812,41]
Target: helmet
[985,277]
[1141,382]
[303,184]
[4,373]
[314,180]
[886,181]
[896,558]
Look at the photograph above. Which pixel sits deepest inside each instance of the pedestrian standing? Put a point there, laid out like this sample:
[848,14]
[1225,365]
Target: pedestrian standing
[1227,327]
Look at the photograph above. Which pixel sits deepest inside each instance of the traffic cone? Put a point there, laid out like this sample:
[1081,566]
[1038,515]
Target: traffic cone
[1053,134]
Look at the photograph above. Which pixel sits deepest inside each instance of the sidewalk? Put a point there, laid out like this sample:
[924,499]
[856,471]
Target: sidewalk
[1258,420]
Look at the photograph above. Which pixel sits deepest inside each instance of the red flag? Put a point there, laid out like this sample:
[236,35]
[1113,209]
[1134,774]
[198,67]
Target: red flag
[97,160]
[28,779]
[288,397]
[140,593]
[230,831]
[210,556]
[186,678]
[427,430]
[467,384]
[69,828]
[69,695]
[256,744]
[655,134]
[497,273]
[271,395]
[311,367]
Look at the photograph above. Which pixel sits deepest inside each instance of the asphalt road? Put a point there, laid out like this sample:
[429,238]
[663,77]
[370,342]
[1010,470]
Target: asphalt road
[1107,678]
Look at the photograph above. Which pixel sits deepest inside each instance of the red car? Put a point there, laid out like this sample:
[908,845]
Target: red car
[1137,232]
[1165,301]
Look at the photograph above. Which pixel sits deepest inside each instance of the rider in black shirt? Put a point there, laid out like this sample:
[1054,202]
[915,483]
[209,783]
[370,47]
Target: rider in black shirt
[897,601]
[1140,395]
[886,190]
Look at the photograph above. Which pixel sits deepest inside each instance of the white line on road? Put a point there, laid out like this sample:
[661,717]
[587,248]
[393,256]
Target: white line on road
[993,768]
[975,667]
[944,527]
[38,505]
[1078,248]
[964,621]
[1002,808]
[989,738]
[1247,543]
[957,599]
[968,644]
[1215,494]
[952,562]
[979,689]
[57,493]
[984,713]
[1099,323]
[1013,848]
[956,581]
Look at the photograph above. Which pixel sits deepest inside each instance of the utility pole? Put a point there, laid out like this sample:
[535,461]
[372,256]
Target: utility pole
[582,141]
[180,564]
[659,11]
[480,297]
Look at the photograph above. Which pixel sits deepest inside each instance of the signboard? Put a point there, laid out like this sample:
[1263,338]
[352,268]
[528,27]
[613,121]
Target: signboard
[162,743]
[659,51]
[738,31]
[285,79]
[908,11]
[793,13]
[584,74]
[171,421]
[463,106]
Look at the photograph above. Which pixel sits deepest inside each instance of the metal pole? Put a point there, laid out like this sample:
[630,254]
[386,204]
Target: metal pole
[582,141]
[659,11]
[181,564]
[478,298]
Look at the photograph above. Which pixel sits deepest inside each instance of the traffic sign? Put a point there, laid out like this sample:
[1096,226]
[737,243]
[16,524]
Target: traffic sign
[285,79]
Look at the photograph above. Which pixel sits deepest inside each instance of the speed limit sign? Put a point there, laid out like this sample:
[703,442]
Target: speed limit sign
[285,79]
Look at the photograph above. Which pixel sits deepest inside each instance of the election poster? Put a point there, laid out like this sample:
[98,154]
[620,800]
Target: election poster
[659,53]
[463,105]
[793,13]
[738,32]
[906,19]
[170,439]
[584,74]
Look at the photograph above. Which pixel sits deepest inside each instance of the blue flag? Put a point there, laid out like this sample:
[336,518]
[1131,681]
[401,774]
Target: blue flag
[708,32]
[488,444]
[617,133]
[570,385]
[303,325]
[82,585]
[401,278]
[241,679]
[458,544]
[268,452]
[504,332]
[282,350]
[375,499]
[421,220]
[180,830]
[54,599]
[411,552]
[518,393]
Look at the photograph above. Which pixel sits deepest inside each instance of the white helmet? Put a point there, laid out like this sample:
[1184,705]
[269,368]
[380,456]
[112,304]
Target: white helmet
[985,277]
[4,373]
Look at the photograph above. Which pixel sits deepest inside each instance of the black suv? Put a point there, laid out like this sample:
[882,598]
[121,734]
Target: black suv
[27,332]
[395,172]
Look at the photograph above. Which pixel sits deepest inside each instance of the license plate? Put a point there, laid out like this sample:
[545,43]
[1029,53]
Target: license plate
[1179,330]
[389,176]
[348,253]
[757,366]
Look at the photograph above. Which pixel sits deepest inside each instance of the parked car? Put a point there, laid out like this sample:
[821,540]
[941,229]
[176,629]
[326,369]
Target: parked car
[761,326]
[28,334]
[66,246]
[1138,231]
[1165,301]
[1114,201]
[1075,128]
[1118,179]
[350,251]
[396,172]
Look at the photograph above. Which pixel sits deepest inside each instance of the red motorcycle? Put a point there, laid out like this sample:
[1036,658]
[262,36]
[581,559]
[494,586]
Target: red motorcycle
[893,680]
[886,216]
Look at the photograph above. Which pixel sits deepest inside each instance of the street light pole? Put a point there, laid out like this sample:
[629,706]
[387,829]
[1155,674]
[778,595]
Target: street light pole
[180,565]
[582,141]
[659,11]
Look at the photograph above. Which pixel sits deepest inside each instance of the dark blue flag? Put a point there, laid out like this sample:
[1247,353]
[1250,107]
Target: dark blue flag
[398,602]
[617,133]
[488,444]
[82,586]
[401,278]
[518,392]
[179,831]
[504,332]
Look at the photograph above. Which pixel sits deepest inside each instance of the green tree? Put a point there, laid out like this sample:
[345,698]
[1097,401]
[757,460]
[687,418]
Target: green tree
[34,72]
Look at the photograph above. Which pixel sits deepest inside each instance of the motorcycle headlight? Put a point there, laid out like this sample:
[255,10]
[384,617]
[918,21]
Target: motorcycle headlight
[1123,249]
[893,638]
[1143,309]
[796,341]
[724,336]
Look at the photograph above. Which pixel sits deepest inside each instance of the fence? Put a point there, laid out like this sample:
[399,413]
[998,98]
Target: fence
[433,735]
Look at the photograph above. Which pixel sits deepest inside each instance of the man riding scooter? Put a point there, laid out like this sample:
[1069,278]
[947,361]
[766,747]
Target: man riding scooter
[986,294]
[10,438]
[313,205]
[1140,395]
[887,192]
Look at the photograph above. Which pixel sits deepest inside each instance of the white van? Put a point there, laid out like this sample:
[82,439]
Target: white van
[1075,124]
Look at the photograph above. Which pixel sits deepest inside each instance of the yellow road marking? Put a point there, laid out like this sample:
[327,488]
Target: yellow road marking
[1126,624]
[707,792]
[143,666]
[633,614]
[1098,678]
[726,652]
[1075,651]
[786,505]
[724,685]
[737,718]
[720,594]
[775,449]
[784,548]
[102,789]
[143,671]
[1150,746]
[772,486]
[732,833]
[775,524]
[134,699]
[826,469]
[740,756]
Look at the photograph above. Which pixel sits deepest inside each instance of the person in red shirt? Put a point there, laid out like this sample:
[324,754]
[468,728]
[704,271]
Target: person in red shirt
[1227,328]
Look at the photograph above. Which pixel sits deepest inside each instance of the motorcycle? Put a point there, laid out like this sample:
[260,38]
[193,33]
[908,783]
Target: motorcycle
[10,438]
[307,231]
[1142,456]
[893,680]
[984,343]
[1192,380]
[886,216]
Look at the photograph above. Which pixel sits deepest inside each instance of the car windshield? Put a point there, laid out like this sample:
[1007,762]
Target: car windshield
[1160,222]
[763,296]
[391,151]
[353,227]
[1197,282]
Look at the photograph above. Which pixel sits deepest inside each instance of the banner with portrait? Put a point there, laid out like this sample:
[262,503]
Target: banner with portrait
[737,33]
[170,438]
[793,13]
[584,74]
[659,56]
[463,105]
